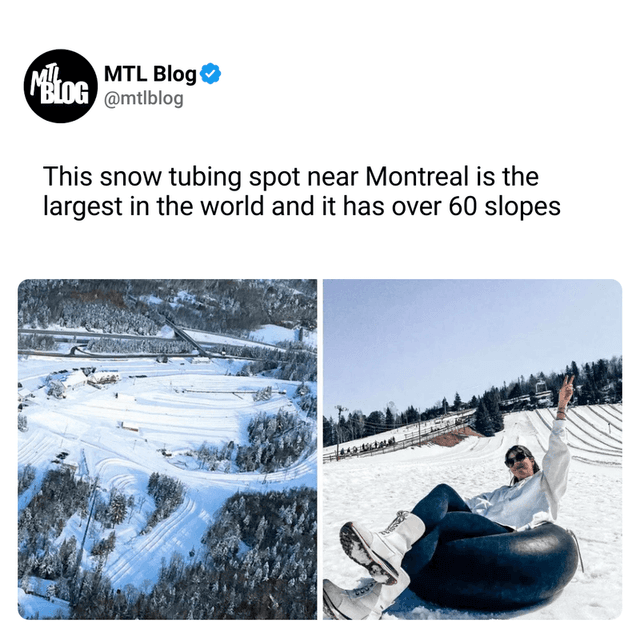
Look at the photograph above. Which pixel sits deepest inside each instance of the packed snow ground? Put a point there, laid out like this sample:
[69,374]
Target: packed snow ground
[371,490]
[175,406]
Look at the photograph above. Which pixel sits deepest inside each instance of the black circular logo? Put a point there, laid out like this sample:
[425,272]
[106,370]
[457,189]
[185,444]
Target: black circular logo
[60,85]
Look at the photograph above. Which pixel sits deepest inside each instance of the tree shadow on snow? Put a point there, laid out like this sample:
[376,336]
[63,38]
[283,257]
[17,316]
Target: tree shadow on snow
[410,607]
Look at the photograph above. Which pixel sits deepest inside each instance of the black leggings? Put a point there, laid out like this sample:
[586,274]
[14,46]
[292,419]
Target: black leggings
[446,517]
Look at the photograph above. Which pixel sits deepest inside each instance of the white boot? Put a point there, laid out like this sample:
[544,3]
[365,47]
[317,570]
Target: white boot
[352,604]
[388,594]
[363,603]
[381,553]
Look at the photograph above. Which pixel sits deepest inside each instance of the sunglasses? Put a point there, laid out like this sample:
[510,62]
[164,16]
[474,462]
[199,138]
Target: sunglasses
[519,457]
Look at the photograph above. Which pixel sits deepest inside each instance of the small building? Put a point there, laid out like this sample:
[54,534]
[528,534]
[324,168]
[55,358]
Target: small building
[129,426]
[541,386]
[104,377]
[60,384]
[23,396]
[74,380]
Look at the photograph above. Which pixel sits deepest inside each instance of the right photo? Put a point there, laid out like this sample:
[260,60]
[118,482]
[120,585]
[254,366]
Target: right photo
[472,460]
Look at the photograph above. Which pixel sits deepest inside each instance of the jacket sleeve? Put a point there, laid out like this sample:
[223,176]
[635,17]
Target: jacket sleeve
[477,504]
[480,504]
[555,465]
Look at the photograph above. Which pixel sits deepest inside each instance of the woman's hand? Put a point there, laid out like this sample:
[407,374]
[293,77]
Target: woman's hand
[565,393]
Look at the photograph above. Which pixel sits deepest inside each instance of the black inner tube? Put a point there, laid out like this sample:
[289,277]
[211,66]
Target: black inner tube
[499,572]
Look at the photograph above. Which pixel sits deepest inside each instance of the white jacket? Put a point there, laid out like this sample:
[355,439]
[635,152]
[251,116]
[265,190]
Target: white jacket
[533,500]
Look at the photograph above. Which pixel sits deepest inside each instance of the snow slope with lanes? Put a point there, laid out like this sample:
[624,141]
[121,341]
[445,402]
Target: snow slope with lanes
[371,490]
[175,406]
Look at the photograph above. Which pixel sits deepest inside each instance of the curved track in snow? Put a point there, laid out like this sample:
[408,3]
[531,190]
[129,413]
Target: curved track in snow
[129,567]
[121,433]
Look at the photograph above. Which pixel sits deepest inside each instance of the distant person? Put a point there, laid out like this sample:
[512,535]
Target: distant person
[407,545]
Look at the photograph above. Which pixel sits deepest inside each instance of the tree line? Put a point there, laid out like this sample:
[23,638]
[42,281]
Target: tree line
[133,306]
[595,382]
[296,362]
[35,342]
[257,560]
[147,345]
[168,494]
[275,442]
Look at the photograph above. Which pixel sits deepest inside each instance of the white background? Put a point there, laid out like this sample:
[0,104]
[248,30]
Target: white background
[545,86]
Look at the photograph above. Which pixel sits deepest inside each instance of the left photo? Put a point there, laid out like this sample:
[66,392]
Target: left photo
[167,449]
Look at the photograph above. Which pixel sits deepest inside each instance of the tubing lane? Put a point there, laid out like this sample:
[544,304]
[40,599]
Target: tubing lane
[150,544]
[606,446]
[609,417]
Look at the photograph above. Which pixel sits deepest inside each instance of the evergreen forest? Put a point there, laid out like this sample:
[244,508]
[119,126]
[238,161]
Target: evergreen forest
[595,383]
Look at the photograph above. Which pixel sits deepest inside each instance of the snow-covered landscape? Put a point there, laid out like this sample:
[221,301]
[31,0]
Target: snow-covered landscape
[114,423]
[370,490]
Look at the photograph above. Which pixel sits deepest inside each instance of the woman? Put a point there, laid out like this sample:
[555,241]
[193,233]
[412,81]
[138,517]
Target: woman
[405,547]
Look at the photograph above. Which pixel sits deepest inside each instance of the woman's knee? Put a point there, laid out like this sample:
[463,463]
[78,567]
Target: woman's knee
[443,488]
[448,492]
[455,502]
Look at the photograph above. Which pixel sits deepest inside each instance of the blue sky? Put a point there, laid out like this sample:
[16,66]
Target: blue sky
[415,342]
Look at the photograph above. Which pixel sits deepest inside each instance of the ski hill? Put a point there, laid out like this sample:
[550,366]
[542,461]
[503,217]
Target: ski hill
[371,489]
[150,418]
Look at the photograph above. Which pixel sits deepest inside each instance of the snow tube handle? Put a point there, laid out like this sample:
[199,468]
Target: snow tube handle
[575,538]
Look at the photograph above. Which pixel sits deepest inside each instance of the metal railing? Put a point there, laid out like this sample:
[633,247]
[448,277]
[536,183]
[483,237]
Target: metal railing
[416,437]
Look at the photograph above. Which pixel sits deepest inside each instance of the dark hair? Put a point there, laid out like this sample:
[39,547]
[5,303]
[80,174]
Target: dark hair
[522,449]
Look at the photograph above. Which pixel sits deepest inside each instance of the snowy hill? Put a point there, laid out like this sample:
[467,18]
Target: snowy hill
[150,419]
[372,489]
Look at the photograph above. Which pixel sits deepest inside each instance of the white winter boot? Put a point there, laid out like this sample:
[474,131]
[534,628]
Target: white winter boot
[352,604]
[381,553]
[364,603]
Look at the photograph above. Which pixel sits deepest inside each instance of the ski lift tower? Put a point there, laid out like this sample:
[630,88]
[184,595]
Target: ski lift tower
[340,409]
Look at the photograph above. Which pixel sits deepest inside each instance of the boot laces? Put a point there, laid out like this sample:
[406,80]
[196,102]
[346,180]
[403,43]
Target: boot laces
[359,591]
[400,517]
